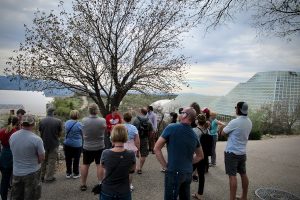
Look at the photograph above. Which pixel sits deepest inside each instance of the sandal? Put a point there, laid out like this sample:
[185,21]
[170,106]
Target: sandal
[195,178]
[83,187]
[196,196]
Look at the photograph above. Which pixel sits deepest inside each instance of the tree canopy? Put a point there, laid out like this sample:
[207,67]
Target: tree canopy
[104,48]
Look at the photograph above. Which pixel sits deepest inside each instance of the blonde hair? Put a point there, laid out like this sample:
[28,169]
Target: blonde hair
[119,133]
[74,114]
[213,114]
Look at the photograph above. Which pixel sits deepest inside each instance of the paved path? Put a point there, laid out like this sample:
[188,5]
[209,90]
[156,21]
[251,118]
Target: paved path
[271,163]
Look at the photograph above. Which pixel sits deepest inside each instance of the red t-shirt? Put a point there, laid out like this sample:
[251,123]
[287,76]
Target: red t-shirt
[4,137]
[111,121]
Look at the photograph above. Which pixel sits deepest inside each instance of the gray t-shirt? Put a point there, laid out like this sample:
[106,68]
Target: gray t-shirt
[25,147]
[93,129]
[120,163]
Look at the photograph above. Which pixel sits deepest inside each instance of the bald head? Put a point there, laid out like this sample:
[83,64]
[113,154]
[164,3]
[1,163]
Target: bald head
[188,115]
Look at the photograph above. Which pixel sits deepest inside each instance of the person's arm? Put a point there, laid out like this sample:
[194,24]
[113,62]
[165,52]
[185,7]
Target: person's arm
[101,172]
[137,141]
[155,123]
[41,157]
[40,150]
[158,153]
[220,123]
[198,155]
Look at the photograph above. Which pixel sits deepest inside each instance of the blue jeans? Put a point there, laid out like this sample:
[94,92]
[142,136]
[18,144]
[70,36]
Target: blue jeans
[104,196]
[177,184]
[6,168]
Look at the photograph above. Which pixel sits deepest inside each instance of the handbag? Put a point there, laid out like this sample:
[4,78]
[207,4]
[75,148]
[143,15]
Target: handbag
[68,133]
[97,188]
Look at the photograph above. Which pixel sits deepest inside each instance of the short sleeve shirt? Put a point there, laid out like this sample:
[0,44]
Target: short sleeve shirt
[117,166]
[25,147]
[73,133]
[132,131]
[182,142]
[238,131]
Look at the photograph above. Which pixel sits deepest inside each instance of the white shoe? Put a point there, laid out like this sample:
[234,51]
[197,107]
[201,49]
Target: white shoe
[76,176]
[131,187]
[68,176]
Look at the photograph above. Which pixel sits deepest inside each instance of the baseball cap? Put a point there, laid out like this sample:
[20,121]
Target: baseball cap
[27,118]
[243,107]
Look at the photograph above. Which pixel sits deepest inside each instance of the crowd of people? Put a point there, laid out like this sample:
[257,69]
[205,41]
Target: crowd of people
[119,145]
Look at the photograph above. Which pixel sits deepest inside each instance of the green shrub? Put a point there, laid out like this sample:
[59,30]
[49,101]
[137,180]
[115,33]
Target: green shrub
[255,135]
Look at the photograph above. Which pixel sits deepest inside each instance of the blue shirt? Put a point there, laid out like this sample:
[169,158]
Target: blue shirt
[132,131]
[238,131]
[214,127]
[182,142]
[74,137]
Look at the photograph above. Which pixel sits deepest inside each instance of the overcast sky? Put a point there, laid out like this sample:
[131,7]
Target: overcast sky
[219,60]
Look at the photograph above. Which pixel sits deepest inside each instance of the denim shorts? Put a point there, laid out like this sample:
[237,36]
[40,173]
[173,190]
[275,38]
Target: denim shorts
[235,163]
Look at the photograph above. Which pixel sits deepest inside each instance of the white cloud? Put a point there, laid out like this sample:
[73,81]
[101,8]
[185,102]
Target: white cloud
[219,60]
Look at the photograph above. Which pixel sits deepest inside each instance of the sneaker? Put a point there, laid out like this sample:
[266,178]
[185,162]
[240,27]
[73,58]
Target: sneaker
[195,178]
[131,187]
[68,176]
[75,176]
[163,170]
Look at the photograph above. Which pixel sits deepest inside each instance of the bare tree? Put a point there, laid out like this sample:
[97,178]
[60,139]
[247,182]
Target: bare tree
[105,48]
[281,17]
[286,115]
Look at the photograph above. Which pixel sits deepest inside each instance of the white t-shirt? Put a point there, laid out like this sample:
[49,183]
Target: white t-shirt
[25,147]
[238,131]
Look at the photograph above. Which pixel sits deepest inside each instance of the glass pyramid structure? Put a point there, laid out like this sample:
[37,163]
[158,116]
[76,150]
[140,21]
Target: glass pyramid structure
[263,88]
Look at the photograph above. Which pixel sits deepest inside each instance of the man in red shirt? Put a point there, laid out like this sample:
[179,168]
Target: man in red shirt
[111,120]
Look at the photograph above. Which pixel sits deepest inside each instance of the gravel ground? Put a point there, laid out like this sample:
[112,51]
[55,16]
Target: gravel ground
[273,162]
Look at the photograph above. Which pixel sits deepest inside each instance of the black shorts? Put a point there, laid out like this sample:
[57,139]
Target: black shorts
[235,163]
[144,144]
[91,156]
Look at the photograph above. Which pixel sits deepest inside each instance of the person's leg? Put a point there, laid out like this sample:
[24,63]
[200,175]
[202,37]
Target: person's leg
[206,163]
[213,153]
[171,186]
[142,162]
[151,141]
[144,153]
[44,165]
[233,187]
[107,141]
[231,166]
[68,159]
[201,172]
[51,166]
[245,184]
[17,188]
[76,156]
[32,186]
[84,172]
[185,184]
[5,181]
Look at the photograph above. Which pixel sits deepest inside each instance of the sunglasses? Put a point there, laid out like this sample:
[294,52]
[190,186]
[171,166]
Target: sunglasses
[184,113]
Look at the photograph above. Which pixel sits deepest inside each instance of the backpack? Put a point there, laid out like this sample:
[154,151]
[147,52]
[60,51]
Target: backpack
[144,127]
[206,141]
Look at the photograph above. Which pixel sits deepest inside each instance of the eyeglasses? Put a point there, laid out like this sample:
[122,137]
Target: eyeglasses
[184,113]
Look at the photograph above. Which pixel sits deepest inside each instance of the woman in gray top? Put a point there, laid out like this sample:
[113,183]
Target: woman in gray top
[116,164]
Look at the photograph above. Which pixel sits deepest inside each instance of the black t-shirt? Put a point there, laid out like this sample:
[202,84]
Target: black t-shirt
[120,163]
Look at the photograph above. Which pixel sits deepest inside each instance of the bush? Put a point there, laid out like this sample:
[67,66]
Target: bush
[255,135]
